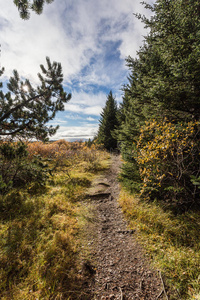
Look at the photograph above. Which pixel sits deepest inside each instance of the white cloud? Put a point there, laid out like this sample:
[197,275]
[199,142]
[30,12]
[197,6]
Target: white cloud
[86,103]
[93,110]
[75,108]
[71,32]
[88,98]
[69,133]
[57,121]
[90,119]
[90,110]
[25,44]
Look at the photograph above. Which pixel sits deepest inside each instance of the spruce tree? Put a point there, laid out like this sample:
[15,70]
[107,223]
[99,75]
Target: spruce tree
[164,78]
[108,122]
[167,68]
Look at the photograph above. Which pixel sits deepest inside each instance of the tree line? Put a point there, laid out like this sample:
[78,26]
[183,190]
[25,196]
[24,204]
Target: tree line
[158,119]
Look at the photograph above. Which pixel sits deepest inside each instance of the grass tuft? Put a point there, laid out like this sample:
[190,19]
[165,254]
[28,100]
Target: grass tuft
[172,242]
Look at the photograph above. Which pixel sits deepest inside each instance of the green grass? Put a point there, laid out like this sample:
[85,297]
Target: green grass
[172,242]
[41,239]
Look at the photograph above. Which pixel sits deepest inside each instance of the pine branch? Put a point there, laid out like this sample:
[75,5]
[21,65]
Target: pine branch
[6,115]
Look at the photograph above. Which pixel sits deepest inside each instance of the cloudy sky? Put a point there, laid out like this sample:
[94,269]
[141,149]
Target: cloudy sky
[91,39]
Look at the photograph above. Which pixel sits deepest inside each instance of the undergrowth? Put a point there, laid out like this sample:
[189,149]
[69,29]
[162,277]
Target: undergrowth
[172,242]
[40,235]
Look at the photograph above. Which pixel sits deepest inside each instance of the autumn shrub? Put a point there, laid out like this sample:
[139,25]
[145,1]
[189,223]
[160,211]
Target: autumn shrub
[168,156]
[92,156]
[16,169]
[47,150]
[58,151]
[25,163]
[89,153]
[63,155]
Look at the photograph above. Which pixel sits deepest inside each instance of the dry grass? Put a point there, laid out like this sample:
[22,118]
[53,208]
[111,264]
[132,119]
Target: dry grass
[172,242]
[41,241]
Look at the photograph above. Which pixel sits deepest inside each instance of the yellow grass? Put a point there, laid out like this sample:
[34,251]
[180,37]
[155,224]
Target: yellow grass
[172,242]
[41,240]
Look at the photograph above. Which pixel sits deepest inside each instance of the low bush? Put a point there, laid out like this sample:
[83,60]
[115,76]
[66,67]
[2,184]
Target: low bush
[17,170]
[168,156]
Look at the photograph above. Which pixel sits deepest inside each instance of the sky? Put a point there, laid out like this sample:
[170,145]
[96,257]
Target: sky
[90,38]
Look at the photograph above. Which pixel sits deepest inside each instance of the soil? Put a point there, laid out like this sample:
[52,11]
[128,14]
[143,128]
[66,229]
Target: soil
[118,268]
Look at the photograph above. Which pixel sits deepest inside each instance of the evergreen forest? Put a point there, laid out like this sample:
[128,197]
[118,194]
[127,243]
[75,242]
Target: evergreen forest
[158,120]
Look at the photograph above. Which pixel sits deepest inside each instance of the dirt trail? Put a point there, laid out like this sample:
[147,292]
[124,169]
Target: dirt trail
[122,272]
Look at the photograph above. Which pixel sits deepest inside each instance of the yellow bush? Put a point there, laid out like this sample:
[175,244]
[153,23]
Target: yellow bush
[168,156]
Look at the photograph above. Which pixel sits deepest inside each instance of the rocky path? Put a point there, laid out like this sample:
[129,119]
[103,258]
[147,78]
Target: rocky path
[121,272]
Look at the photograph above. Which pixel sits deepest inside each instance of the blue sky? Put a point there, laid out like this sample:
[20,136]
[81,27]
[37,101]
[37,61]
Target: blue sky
[91,39]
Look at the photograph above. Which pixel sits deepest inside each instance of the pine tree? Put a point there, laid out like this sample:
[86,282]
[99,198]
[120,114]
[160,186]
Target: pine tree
[108,122]
[25,110]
